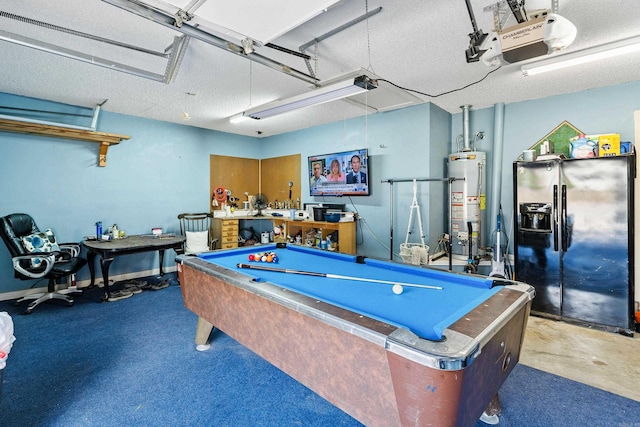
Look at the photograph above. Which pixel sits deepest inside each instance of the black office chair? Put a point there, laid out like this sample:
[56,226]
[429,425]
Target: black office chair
[37,255]
[196,227]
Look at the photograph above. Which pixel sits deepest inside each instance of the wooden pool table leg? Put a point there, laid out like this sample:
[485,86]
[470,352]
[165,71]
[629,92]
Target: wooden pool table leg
[494,407]
[203,332]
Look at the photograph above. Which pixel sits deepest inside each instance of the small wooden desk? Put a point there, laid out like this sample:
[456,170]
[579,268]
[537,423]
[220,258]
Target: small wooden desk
[109,249]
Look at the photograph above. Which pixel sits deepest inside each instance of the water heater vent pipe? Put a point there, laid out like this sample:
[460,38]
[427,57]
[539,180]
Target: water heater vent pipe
[465,127]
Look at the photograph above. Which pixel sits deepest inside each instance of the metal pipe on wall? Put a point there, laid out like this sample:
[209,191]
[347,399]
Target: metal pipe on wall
[465,127]
[496,170]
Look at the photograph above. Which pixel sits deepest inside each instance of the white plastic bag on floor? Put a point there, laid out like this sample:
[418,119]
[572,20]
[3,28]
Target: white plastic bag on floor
[6,337]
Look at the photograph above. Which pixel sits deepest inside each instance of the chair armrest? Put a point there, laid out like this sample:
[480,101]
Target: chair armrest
[47,258]
[71,248]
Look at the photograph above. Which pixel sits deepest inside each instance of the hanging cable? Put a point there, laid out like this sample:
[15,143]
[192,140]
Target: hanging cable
[366,11]
[443,93]
[250,82]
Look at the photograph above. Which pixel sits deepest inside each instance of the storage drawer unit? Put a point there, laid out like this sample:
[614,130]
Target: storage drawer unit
[226,229]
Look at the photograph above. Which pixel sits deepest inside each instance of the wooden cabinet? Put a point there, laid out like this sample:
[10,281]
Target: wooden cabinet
[346,232]
[226,229]
[241,175]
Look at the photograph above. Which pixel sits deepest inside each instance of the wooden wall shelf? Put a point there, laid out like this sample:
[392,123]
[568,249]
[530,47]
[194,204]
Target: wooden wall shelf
[104,139]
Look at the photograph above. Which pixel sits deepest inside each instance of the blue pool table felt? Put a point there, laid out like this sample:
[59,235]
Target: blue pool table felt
[425,312]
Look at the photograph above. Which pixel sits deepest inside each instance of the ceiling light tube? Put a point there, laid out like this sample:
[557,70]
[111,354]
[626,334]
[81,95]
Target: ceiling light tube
[319,96]
[596,53]
[238,118]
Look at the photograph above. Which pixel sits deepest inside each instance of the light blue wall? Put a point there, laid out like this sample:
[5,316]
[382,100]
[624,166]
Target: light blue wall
[164,168]
[161,171]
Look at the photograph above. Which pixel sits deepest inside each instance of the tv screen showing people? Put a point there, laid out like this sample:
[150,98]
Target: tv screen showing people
[339,174]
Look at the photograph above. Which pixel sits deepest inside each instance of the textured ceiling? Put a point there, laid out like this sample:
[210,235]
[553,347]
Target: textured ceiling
[416,44]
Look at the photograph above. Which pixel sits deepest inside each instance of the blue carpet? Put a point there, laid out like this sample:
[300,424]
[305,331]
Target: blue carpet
[133,363]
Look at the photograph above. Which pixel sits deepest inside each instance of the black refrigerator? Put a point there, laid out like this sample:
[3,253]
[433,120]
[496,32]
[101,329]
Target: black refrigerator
[574,238]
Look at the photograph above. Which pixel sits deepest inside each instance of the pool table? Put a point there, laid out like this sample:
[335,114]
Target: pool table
[425,357]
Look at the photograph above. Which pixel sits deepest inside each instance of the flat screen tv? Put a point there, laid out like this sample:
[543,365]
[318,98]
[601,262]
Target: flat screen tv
[344,173]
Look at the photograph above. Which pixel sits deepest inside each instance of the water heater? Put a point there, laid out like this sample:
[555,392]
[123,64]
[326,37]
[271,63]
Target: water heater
[468,201]
[468,196]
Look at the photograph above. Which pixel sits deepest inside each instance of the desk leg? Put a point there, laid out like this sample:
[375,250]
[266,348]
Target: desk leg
[202,334]
[91,259]
[105,263]
[161,261]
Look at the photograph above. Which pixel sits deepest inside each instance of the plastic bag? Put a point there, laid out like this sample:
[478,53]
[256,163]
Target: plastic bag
[582,148]
[6,337]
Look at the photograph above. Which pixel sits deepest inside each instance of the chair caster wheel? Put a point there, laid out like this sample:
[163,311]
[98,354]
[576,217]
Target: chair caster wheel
[69,303]
[28,311]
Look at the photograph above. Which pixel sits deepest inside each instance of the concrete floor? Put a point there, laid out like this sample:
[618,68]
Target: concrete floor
[605,360]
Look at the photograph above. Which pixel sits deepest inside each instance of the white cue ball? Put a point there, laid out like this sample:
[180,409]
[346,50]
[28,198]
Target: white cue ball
[397,289]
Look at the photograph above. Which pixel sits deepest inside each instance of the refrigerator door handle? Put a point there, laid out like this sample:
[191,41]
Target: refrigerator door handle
[563,225]
[555,218]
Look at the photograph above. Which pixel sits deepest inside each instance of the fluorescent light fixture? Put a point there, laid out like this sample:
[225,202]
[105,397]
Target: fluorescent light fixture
[238,118]
[596,53]
[329,93]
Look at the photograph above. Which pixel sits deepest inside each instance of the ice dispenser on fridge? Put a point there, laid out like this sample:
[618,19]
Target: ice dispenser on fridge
[535,217]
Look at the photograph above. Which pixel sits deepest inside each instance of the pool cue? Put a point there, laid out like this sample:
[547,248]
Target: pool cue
[332,276]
